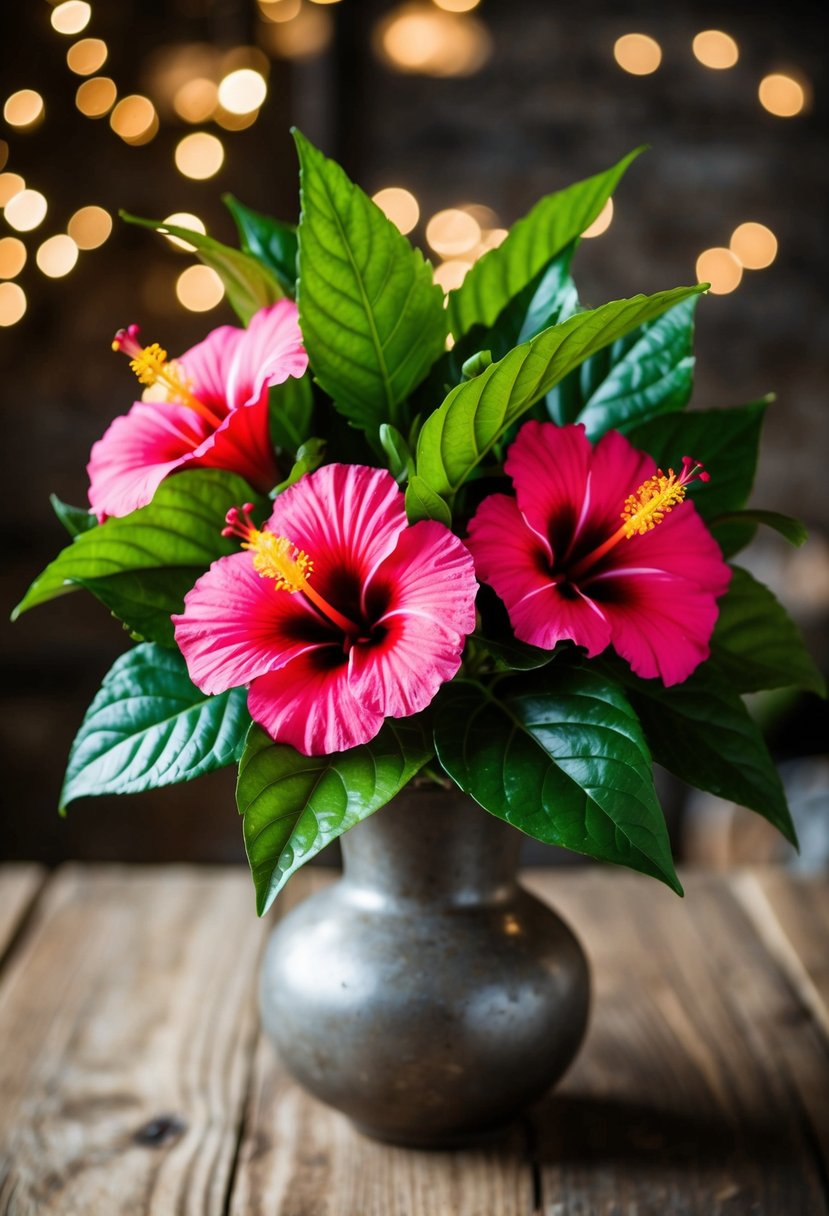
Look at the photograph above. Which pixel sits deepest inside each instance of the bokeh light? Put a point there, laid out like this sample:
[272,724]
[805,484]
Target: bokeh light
[421,38]
[199,288]
[199,155]
[26,210]
[234,122]
[399,205]
[280,10]
[715,49]
[720,268]
[96,97]
[57,256]
[638,54]
[12,257]
[10,185]
[308,32]
[135,120]
[89,227]
[87,56]
[457,6]
[24,108]
[242,91]
[753,245]
[196,99]
[184,219]
[449,275]
[452,232]
[71,17]
[781,95]
[12,303]
[602,221]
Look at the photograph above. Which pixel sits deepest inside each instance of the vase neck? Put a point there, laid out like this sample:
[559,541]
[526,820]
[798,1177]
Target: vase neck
[432,846]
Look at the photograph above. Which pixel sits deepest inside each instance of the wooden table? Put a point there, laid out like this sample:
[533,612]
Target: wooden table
[133,1078]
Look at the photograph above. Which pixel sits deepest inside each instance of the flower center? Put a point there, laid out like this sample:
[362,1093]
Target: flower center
[648,507]
[151,366]
[278,558]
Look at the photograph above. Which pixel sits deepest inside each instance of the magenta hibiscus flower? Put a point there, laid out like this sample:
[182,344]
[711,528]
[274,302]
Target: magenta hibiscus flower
[207,409]
[338,614]
[565,568]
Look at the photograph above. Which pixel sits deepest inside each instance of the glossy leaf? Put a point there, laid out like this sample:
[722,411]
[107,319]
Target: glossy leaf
[144,600]
[372,318]
[423,503]
[74,519]
[294,805]
[309,457]
[792,529]
[290,410]
[553,223]
[564,761]
[149,726]
[397,453]
[270,241]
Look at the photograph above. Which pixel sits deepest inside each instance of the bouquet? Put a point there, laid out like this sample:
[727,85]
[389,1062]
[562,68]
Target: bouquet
[383,534]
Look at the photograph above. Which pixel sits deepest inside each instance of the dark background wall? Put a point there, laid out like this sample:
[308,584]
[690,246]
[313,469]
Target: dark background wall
[548,107]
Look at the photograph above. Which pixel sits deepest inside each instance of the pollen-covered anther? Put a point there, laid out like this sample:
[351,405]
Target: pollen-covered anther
[654,499]
[278,558]
[152,367]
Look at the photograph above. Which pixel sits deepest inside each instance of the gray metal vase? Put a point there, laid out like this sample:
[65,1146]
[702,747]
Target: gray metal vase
[426,994]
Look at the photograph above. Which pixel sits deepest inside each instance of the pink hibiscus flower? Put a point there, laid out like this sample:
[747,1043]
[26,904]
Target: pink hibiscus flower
[338,614]
[565,568]
[208,409]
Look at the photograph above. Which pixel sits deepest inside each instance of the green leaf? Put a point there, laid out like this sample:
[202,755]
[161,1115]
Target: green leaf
[533,241]
[792,529]
[74,519]
[290,409]
[270,241]
[568,765]
[756,644]
[702,732]
[726,441]
[294,805]
[397,451]
[515,655]
[309,457]
[476,414]
[149,726]
[372,318]
[248,283]
[144,600]
[423,503]
[646,373]
[180,529]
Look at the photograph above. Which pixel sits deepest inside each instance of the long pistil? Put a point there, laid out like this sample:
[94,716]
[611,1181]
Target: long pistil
[151,366]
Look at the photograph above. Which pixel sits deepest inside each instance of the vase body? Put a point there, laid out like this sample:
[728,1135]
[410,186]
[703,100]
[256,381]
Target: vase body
[426,994]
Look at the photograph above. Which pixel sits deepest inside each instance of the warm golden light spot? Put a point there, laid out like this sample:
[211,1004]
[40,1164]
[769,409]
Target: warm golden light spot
[490,240]
[714,49]
[452,231]
[23,109]
[12,257]
[753,245]
[87,56]
[451,274]
[485,216]
[421,38]
[96,97]
[280,10]
[199,288]
[242,91]
[602,221]
[325,1]
[4,153]
[57,256]
[196,99]
[638,54]
[10,185]
[398,205]
[308,33]
[71,17]
[26,210]
[89,227]
[781,95]
[12,303]
[183,219]
[135,120]
[720,268]
[457,6]
[199,155]
[244,57]
[234,122]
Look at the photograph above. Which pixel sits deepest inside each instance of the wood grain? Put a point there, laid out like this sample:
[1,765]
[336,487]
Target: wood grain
[19,885]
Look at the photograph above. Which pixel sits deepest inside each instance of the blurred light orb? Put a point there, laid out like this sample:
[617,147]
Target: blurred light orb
[638,54]
[452,232]
[12,257]
[87,56]
[184,219]
[485,216]
[280,10]
[199,155]
[398,205]
[457,6]
[26,210]
[96,97]
[89,227]
[234,122]
[449,275]
[57,256]
[720,268]
[715,49]
[12,303]
[196,99]
[781,95]
[753,245]
[4,153]
[10,185]
[421,38]
[24,108]
[602,221]
[199,288]
[307,33]
[244,57]
[135,120]
[71,17]
[325,1]
[491,239]
[242,91]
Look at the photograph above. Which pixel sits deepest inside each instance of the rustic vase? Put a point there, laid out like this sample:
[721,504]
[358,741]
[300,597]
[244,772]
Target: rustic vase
[426,994]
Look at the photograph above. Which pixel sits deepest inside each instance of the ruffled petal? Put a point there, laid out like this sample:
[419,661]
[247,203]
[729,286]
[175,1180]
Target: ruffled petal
[268,352]
[310,704]
[680,546]
[242,444]
[549,467]
[208,366]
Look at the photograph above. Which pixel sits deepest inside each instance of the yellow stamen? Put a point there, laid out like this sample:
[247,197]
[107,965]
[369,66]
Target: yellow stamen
[654,499]
[151,366]
[290,567]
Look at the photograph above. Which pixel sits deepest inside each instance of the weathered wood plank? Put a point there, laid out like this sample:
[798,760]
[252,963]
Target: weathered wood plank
[19,885]
[699,1088]
[127,1022]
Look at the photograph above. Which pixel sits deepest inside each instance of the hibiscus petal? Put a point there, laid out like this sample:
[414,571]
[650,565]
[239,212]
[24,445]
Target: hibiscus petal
[242,444]
[311,705]
[208,365]
[268,352]
[681,546]
[549,467]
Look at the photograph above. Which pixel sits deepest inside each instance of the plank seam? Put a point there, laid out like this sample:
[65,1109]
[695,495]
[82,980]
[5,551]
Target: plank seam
[23,924]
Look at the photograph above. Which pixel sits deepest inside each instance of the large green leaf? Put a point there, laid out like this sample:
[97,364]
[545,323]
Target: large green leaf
[756,644]
[74,519]
[702,732]
[372,318]
[150,726]
[457,437]
[646,373]
[144,600]
[554,222]
[249,284]
[270,241]
[564,760]
[294,805]
[290,410]
[179,531]
[734,523]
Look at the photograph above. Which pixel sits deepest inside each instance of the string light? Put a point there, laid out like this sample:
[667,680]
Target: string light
[24,108]
[199,155]
[12,303]
[26,210]
[242,91]
[753,245]
[199,288]
[12,257]
[87,56]
[449,275]
[234,122]
[781,95]
[398,205]
[10,185]
[183,219]
[96,97]
[89,227]
[602,221]
[720,268]
[431,41]
[71,17]
[716,50]
[196,99]
[57,256]
[452,232]
[135,120]
[638,54]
